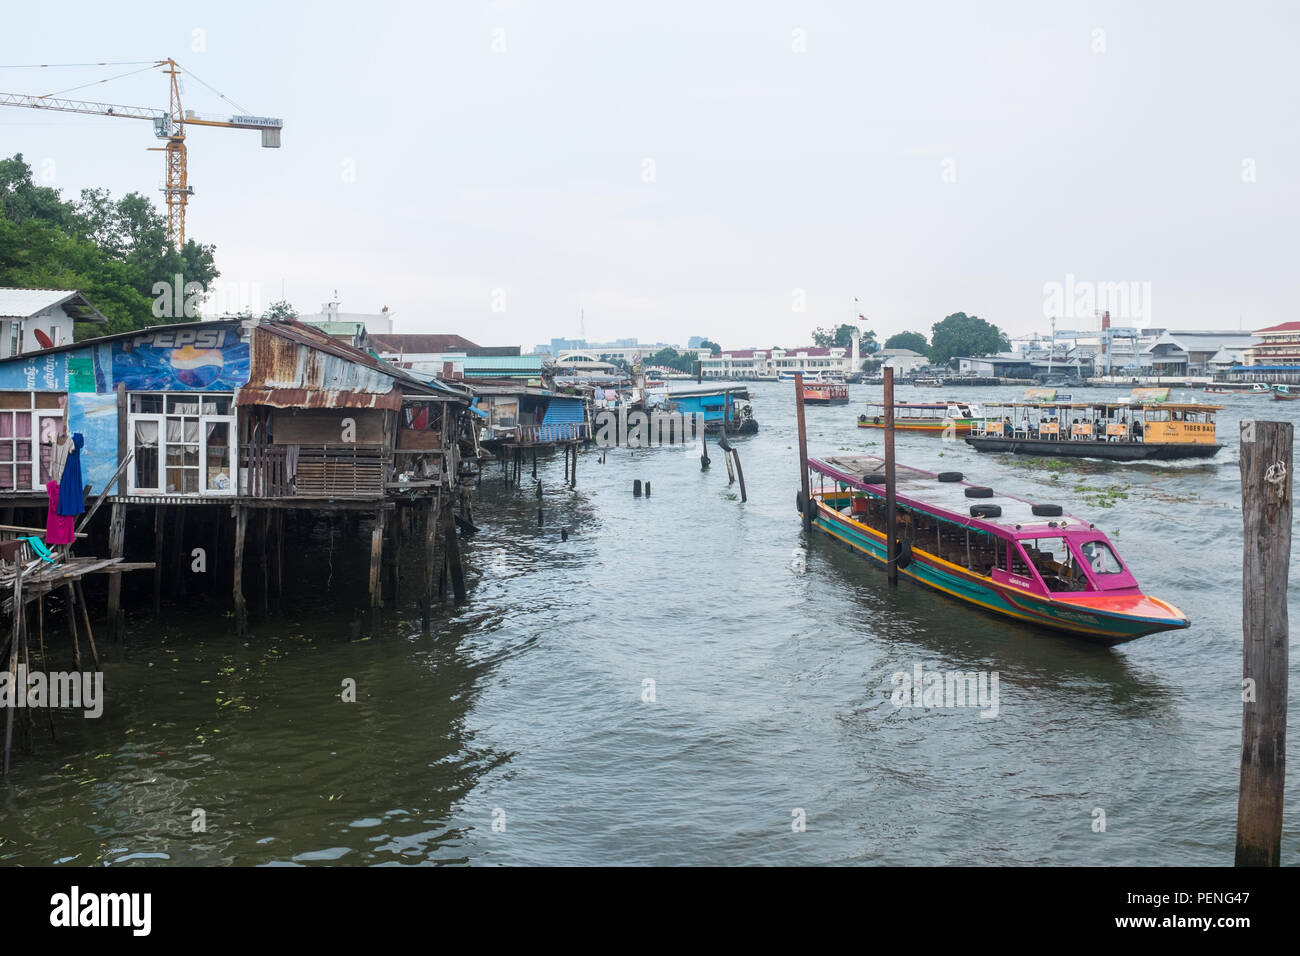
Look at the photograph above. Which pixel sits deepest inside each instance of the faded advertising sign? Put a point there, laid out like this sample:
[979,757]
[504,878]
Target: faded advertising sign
[202,358]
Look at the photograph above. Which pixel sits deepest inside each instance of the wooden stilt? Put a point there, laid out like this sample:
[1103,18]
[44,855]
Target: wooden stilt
[430,554]
[740,475]
[264,547]
[158,517]
[72,625]
[116,547]
[178,552]
[376,561]
[279,554]
[15,640]
[573,482]
[85,620]
[237,569]
[453,561]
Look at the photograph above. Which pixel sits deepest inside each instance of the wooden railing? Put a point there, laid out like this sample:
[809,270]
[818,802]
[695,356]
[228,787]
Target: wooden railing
[345,470]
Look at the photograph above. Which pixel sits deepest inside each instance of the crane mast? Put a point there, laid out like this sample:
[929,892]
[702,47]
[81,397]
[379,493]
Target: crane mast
[168,125]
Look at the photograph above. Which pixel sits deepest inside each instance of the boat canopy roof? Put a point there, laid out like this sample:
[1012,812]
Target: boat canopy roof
[939,405]
[946,499]
[1186,406]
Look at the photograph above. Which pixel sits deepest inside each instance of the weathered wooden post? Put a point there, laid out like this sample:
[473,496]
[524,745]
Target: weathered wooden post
[804,500]
[636,488]
[377,559]
[1266,510]
[15,641]
[453,562]
[891,519]
[740,475]
[116,547]
[430,557]
[237,572]
[158,512]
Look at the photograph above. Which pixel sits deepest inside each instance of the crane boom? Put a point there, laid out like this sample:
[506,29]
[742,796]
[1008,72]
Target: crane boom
[168,124]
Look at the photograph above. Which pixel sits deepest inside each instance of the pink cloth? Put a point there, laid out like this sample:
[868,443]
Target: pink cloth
[59,529]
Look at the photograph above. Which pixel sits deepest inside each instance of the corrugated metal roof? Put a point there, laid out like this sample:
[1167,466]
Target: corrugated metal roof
[317,398]
[563,410]
[23,303]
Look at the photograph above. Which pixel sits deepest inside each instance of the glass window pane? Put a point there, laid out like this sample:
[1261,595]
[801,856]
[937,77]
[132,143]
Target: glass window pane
[191,430]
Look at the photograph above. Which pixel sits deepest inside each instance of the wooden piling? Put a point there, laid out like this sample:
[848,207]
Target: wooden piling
[237,570]
[1266,480]
[376,561]
[740,475]
[116,547]
[85,620]
[430,568]
[636,488]
[72,624]
[805,502]
[891,519]
[15,641]
[573,481]
[158,513]
[457,573]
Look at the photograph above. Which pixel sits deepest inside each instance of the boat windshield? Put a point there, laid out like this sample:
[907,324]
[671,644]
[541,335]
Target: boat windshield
[1055,563]
[1101,557]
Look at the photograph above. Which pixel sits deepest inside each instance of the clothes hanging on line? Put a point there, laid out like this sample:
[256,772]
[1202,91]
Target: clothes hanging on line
[72,496]
[59,529]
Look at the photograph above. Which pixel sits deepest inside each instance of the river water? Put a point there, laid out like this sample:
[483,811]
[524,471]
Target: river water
[523,732]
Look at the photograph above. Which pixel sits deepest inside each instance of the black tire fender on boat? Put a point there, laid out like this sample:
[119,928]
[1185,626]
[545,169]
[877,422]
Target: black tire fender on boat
[798,501]
[951,476]
[986,511]
[903,552]
[1047,511]
[876,420]
[978,492]
[862,418]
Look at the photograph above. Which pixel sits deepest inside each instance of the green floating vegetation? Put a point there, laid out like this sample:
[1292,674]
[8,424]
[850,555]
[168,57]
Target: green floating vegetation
[1099,497]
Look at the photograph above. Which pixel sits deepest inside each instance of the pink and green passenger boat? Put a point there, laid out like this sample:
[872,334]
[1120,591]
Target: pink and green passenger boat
[1009,556]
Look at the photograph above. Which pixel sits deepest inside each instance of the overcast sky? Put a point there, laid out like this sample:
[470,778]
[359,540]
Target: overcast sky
[737,170]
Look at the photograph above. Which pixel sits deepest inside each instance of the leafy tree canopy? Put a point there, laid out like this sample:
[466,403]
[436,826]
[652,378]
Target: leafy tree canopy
[280,309]
[112,251]
[962,334]
[713,347]
[671,358]
[916,341]
[842,337]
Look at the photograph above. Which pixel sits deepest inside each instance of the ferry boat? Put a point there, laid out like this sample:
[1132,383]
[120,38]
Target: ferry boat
[1238,388]
[825,394]
[928,382]
[936,417]
[1283,393]
[1012,557]
[1142,431]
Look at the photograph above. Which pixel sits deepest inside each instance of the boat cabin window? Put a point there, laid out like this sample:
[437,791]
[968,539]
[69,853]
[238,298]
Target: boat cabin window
[1101,558]
[1055,564]
[1157,415]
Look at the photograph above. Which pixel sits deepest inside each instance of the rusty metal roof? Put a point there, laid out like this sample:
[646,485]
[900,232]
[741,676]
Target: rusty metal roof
[296,365]
[318,398]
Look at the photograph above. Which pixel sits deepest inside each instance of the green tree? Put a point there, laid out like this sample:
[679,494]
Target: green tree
[832,338]
[671,358]
[280,309]
[713,347]
[962,334]
[915,341]
[115,252]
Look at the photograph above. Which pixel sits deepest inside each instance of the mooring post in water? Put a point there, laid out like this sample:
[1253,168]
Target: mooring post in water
[636,488]
[573,477]
[704,448]
[1266,511]
[740,475]
[72,624]
[539,517]
[116,548]
[237,565]
[805,504]
[891,519]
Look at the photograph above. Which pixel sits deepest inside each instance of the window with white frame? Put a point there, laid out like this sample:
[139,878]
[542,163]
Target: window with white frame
[30,425]
[184,443]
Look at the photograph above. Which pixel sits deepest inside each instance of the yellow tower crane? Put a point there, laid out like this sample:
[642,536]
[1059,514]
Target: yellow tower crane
[169,125]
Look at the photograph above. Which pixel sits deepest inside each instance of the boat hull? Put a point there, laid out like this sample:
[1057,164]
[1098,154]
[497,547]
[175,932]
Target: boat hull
[1088,622]
[825,401]
[1109,450]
